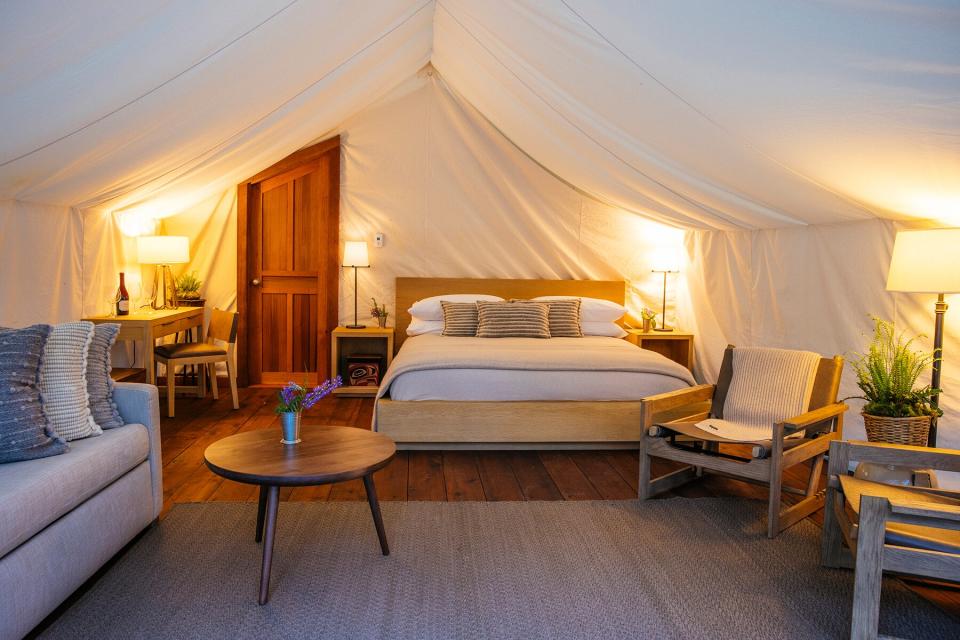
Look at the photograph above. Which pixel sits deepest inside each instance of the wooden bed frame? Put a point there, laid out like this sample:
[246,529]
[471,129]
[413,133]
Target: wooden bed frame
[437,424]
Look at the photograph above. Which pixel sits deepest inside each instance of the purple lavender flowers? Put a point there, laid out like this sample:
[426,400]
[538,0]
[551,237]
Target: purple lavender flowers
[294,398]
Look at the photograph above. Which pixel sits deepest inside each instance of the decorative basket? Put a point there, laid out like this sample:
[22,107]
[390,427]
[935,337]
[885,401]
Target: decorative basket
[912,431]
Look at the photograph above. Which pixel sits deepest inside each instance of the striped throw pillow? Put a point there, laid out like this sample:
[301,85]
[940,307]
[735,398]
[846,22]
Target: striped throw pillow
[564,316]
[459,318]
[513,320]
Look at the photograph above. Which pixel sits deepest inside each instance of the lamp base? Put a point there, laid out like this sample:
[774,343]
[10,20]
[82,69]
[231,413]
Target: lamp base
[355,326]
[664,329]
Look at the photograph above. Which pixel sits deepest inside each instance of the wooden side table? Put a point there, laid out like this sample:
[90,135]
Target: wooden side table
[348,342]
[326,455]
[676,345]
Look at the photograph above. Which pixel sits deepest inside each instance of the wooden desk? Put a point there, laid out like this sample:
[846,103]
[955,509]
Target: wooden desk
[676,345]
[146,326]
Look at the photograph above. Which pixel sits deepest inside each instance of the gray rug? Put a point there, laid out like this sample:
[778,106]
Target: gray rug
[675,568]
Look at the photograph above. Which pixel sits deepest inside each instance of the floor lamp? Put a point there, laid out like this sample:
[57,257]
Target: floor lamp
[928,261]
[355,255]
[163,251]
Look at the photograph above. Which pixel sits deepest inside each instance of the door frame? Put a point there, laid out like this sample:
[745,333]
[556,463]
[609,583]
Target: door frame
[328,276]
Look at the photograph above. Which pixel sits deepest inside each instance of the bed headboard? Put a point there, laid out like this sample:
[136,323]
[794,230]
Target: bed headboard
[409,290]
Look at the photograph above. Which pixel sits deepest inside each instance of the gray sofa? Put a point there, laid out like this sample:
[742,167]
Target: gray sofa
[63,517]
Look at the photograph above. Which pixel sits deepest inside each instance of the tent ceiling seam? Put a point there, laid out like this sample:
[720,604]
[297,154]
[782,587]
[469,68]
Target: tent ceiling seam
[612,153]
[729,132]
[151,91]
[283,104]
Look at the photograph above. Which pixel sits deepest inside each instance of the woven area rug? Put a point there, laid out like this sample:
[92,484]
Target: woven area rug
[676,568]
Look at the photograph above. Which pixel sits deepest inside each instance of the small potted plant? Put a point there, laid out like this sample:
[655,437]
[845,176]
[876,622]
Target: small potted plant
[380,313]
[649,318]
[294,400]
[188,289]
[897,410]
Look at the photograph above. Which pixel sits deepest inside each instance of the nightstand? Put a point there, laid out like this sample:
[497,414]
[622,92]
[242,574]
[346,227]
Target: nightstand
[358,345]
[676,345]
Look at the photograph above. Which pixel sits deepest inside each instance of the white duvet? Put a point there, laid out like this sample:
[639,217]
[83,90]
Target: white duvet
[433,367]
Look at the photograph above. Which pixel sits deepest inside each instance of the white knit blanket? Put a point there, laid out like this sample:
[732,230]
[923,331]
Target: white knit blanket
[768,386]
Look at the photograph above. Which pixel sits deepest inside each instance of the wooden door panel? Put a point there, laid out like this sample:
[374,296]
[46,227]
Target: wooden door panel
[274,333]
[305,340]
[275,212]
[288,268]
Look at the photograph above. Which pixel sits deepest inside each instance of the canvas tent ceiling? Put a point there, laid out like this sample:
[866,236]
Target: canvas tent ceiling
[703,114]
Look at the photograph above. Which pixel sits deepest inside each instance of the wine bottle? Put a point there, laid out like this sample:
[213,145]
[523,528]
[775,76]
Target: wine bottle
[123,299]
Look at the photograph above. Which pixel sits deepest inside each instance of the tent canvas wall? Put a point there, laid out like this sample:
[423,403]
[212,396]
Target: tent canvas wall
[788,141]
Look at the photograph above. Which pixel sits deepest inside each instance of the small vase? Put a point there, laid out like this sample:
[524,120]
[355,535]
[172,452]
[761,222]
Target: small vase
[290,423]
[382,322]
[647,325]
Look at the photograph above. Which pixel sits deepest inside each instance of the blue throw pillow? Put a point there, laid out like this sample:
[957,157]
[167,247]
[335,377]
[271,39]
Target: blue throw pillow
[99,383]
[25,432]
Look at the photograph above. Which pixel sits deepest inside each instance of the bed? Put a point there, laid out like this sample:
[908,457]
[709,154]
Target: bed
[475,393]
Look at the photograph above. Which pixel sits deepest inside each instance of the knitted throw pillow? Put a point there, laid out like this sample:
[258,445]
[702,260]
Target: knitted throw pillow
[63,381]
[99,382]
[459,318]
[25,432]
[512,320]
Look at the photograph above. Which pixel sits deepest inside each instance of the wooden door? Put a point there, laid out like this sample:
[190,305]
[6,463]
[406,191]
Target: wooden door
[287,290]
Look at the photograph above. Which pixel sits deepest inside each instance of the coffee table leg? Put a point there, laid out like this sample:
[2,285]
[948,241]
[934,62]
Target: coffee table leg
[375,510]
[273,500]
[261,512]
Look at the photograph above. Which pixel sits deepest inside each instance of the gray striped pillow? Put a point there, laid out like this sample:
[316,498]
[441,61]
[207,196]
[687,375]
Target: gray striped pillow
[513,320]
[99,383]
[63,381]
[459,318]
[564,316]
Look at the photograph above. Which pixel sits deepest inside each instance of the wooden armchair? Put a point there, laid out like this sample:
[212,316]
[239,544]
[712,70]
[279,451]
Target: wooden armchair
[669,431]
[878,527]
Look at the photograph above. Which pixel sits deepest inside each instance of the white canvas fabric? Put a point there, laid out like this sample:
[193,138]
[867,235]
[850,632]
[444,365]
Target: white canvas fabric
[63,381]
[768,385]
[548,134]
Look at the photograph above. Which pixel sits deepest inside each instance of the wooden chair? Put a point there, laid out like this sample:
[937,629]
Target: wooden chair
[878,527]
[669,431]
[222,329]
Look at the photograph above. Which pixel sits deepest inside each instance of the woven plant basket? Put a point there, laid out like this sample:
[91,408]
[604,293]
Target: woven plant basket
[912,431]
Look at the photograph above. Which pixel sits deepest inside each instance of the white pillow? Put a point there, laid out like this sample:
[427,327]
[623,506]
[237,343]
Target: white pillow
[594,309]
[609,329]
[418,327]
[63,381]
[430,309]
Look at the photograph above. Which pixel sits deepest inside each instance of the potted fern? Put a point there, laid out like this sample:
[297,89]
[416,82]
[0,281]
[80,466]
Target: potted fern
[897,410]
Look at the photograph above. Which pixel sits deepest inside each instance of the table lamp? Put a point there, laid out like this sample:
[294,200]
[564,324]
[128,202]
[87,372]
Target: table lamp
[163,251]
[355,255]
[665,261]
[928,261]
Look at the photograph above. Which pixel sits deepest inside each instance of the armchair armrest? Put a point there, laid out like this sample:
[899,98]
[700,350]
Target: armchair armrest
[140,404]
[673,402]
[811,418]
[926,510]
[842,453]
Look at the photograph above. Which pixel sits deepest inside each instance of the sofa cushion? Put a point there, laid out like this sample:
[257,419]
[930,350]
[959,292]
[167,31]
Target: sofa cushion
[25,431]
[99,382]
[63,381]
[34,493]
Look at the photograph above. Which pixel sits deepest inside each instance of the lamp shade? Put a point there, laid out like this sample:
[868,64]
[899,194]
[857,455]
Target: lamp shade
[163,249]
[665,259]
[355,254]
[926,261]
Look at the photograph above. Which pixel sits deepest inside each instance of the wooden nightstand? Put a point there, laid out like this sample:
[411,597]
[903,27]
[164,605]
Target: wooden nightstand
[354,342]
[676,345]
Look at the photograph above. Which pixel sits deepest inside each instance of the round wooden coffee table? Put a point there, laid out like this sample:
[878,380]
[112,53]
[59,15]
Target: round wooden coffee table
[325,455]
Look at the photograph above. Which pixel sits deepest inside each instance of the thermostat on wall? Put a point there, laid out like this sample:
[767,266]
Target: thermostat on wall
[378,240]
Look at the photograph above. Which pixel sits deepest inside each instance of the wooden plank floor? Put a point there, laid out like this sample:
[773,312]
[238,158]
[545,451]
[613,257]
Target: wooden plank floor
[429,475]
